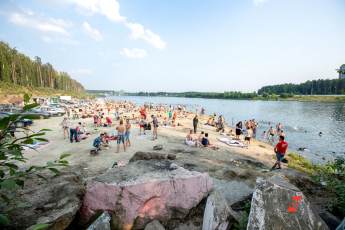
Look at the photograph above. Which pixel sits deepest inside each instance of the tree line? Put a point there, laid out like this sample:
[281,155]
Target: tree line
[17,68]
[215,95]
[314,87]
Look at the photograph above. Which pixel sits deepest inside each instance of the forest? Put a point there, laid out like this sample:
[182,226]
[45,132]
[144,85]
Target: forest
[315,87]
[19,69]
[225,95]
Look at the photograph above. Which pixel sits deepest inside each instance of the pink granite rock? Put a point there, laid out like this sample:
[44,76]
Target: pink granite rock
[138,193]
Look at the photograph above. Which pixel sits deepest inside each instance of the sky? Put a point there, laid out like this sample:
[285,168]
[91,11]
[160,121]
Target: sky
[180,45]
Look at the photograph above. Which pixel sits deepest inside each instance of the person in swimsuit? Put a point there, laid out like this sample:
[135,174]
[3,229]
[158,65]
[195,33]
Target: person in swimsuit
[238,130]
[271,134]
[195,123]
[121,136]
[127,133]
[65,127]
[280,150]
[155,127]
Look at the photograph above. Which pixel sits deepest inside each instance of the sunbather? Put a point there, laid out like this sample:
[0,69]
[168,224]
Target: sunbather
[206,142]
[190,141]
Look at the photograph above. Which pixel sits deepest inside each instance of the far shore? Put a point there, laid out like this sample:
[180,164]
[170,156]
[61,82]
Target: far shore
[301,98]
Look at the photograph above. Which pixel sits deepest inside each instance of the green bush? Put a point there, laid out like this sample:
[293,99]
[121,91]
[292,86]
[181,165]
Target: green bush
[331,175]
[12,175]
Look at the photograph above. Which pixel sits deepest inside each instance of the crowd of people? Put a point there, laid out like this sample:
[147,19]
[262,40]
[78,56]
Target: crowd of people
[118,118]
[106,114]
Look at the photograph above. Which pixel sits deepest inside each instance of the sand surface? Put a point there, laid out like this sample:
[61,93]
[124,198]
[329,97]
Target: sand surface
[172,139]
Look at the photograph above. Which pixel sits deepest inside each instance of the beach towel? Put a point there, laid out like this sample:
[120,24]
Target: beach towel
[232,143]
[190,143]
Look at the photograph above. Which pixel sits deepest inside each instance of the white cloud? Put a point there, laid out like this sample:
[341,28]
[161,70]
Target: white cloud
[133,53]
[46,25]
[139,32]
[111,10]
[81,72]
[259,2]
[108,8]
[92,32]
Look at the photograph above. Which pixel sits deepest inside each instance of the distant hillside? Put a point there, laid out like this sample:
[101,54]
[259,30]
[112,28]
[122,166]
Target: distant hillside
[18,69]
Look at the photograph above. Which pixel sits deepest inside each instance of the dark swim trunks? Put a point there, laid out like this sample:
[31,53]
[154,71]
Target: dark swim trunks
[279,157]
[120,138]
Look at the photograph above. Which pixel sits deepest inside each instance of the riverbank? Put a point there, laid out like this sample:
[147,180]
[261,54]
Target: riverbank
[305,98]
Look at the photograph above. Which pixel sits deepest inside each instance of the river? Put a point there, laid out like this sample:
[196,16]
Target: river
[302,121]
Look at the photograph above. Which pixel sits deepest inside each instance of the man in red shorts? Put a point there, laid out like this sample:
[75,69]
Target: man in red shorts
[280,151]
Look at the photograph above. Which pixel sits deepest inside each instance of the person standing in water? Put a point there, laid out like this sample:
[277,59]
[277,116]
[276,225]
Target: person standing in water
[270,134]
[121,136]
[280,151]
[195,123]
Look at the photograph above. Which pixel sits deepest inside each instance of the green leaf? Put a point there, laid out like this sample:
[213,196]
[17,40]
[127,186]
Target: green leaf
[54,170]
[28,141]
[8,184]
[50,163]
[44,130]
[64,155]
[64,162]
[41,139]
[30,106]
[30,169]
[3,156]
[10,165]
[5,198]
[4,220]
[4,122]
[20,183]
[40,226]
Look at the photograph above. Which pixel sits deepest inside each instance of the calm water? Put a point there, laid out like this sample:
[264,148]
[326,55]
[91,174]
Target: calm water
[302,121]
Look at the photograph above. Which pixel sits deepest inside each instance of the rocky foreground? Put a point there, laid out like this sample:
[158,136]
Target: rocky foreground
[161,190]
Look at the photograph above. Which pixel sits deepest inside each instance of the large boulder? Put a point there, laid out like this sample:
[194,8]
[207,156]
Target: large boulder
[217,213]
[101,223]
[54,202]
[342,225]
[143,191]
[154,225]
[277,204]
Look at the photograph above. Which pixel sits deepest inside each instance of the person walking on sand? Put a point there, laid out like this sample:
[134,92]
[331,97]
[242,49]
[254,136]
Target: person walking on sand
[121,136]
[155,127]
[195,123]
[280,151]
[65,127]
[127,133]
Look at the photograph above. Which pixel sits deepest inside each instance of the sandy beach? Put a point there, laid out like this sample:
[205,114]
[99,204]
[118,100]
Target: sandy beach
[172,139]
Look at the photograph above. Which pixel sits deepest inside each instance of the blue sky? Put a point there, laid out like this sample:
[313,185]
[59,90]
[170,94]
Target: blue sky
[180,45]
